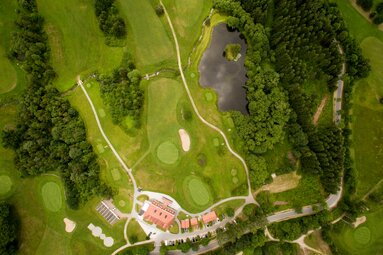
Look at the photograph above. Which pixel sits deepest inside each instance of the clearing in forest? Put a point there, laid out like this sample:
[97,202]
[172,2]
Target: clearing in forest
[320,109]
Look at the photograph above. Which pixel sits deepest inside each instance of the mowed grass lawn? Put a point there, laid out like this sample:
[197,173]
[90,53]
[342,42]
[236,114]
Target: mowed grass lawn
[11,76]
[359,27]
[77,44]
[367,125]
[42,229]
[167,103]
[367,111]
[366,239]
[7,18]
[148,35]
[187,18]
[128,147]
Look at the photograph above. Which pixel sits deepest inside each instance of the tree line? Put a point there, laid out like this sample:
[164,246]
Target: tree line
[110,22]
[376,14]
[268,105]
[9,228]
[50,135]
[292,44]
[122,93]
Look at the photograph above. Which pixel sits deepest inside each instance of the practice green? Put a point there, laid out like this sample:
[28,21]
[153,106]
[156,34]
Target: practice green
[167,152]
[116,174]
[362,235]
[52,196]
[5,184]
[198,191]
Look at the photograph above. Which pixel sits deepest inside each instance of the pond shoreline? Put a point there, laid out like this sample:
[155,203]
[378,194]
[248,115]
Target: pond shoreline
[225,77]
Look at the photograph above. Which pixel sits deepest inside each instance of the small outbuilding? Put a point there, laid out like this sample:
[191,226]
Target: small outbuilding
[210,217]
[185,224]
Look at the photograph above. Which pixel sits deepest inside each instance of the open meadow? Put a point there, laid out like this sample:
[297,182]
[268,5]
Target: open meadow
[149,37]
[367,110]
[76,42]
[188,22]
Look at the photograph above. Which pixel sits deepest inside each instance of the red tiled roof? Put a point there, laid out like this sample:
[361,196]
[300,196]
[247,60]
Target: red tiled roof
[166,201]
[194,222]
[209,217]
[159,214]
[185,223]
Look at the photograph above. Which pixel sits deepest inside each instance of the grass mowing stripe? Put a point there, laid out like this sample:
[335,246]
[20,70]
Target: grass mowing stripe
[198,190]
[167,152]
[5,184]
[52,197]
[362,235]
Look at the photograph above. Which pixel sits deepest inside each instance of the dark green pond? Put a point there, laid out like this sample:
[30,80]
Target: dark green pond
[225,77]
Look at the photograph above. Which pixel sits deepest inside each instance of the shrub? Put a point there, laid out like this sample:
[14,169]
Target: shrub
[160,10]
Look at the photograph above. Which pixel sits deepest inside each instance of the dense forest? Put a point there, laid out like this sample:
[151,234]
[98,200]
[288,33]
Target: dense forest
[111,24]
[8,230]
[50,136]
[122,93]
[292,44]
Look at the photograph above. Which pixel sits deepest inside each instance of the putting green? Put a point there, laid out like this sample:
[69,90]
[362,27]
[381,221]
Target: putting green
[52,196]
[208,96]
[167,152]
[5,184]
[362,235]
[116,174]
[198,191]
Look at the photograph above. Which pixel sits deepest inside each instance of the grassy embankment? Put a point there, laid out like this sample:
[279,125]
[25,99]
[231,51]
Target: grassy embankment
[367,135]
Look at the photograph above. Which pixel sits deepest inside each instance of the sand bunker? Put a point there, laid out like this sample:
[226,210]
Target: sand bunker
[359,221]
[97,232]
[185,139]
[69,225]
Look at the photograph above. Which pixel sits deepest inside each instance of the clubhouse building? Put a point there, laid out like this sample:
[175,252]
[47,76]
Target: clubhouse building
[159,213]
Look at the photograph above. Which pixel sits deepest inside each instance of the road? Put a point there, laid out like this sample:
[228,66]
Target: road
[331,201]
[160,236]
[338,93]
[126,168]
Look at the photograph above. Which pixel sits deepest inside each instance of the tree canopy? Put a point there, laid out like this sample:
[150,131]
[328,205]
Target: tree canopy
[8,230]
